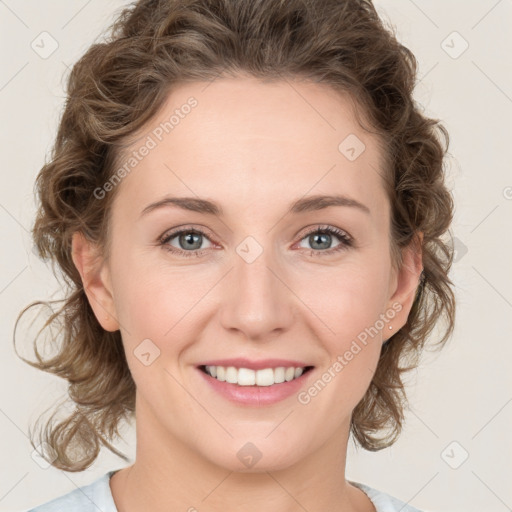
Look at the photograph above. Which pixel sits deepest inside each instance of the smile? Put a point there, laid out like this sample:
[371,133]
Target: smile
[248,377]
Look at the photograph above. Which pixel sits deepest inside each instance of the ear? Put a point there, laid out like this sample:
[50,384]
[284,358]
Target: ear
[96,281]
[404,284]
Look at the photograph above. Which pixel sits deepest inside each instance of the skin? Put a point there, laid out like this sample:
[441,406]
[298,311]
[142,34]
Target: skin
[254,148]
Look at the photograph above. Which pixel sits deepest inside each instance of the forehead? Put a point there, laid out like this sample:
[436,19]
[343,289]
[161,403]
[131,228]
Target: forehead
[242,141]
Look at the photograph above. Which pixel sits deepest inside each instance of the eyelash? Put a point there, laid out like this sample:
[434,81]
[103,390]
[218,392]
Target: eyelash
[346,241]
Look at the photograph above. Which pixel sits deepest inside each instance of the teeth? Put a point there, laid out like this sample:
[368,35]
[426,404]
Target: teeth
[231,375]
[264,377]
[279,374]
[221,372]
[248,377]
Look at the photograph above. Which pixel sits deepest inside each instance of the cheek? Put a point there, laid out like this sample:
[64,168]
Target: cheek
[153,315]
[159,304]
[148,297]
[142,307]
[346,299]
[347,306]
[155,300]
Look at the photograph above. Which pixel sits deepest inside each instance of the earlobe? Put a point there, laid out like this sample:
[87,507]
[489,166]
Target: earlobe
[96,281]
[407,279]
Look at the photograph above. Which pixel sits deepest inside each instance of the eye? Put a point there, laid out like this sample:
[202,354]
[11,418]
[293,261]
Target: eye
[321,238]
[189,241]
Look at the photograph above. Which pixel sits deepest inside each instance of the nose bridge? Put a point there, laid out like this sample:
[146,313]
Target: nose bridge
[257,301]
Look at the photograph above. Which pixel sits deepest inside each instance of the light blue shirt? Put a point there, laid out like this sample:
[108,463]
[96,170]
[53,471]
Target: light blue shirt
[97,497]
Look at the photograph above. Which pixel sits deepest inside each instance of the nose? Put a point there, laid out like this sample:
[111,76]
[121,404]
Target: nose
[257,301]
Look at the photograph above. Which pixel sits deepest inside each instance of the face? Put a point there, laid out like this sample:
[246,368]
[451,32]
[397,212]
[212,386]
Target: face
[264,273]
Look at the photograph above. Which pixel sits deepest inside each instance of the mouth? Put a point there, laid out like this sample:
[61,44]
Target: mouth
[263,377]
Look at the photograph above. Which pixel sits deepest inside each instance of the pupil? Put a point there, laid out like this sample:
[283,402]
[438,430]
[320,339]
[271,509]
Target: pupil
[324,245]
[189,238]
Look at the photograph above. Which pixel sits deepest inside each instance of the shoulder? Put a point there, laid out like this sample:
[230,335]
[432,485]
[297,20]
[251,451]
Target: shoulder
[92,497]
[384,502]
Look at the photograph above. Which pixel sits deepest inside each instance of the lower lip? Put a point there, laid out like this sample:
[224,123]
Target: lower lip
[256,395]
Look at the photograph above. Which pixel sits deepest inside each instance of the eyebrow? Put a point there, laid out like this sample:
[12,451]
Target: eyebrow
[306,204]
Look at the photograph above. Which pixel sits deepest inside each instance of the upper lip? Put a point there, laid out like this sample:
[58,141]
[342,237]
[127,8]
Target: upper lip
[242,362]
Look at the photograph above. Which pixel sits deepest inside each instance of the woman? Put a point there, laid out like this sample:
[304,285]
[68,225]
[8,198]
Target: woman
[250,210]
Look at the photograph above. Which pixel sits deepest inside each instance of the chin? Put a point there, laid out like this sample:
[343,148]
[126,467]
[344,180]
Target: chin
[257,456]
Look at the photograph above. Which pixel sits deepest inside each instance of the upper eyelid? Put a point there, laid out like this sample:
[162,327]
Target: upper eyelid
[326,227]
[171,233]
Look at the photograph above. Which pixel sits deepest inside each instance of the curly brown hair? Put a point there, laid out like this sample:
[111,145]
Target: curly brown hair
[121,82]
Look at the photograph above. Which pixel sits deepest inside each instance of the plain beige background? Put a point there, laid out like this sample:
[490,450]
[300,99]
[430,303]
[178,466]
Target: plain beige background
[456,451]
